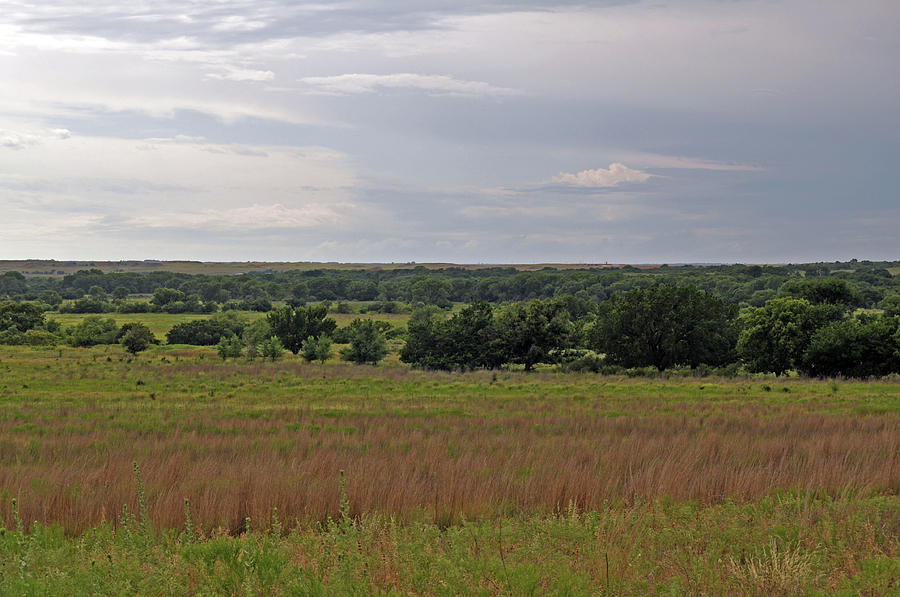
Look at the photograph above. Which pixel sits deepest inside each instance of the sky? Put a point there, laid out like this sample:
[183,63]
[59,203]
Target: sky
[751,131]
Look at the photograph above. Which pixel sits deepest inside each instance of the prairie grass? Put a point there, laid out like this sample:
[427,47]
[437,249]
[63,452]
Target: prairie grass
[238,439]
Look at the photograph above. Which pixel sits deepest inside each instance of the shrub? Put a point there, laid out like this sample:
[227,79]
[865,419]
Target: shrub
[317,349]
[367,342]
[135,337]
[230,347]
[93,330]
[202,332]
[272,348]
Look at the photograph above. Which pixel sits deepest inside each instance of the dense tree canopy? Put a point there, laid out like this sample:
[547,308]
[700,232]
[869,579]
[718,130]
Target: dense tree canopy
[293,325]
[664,326]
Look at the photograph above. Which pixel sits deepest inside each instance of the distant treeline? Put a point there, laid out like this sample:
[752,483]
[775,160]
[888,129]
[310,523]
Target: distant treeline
[814,328]
[92,291]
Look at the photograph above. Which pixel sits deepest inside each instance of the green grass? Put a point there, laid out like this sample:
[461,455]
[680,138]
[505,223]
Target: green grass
[70,416]
[783,545]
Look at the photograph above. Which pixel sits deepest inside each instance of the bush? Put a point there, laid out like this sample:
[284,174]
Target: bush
[93,330]
[230,347]
[135,337]
[271,348]
[202,332]
[367,342]
[317,349]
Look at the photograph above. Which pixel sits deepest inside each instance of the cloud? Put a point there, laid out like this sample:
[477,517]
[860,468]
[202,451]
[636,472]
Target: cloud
[356,83]
[232,73]
[615,175]
[21,140]
[657,160]
[253,217]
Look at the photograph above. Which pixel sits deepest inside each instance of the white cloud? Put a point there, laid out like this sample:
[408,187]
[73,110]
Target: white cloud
[232,73]
[357,83]
[615,175]
[657,160]
[21,140]
[253,217]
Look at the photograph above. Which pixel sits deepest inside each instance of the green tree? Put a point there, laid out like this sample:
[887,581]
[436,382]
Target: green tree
[120,293]
[230,347]
[776,335]
[367,343]
[93,330]
[135,337]
[819,291]
[164,296]
[431,291]
[317,349]
[271,349]
[664,326]
[293,325]
[891,305]
[530,333]
[22,316]
[855,347]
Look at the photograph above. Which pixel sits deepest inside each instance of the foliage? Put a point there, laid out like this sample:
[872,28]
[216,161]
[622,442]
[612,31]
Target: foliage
[467,340]
[135,337]
[367,343]
[855,347]
[664,326]
[819,291]
[776,335]
[202,332]
[231,347]
[293,325]
[891,305]
[530,333]
[271,348]
[21,316]
[317,349]
[93,330]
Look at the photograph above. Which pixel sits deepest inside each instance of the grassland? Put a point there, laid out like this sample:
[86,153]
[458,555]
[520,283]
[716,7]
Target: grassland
[52,268]
[480,483]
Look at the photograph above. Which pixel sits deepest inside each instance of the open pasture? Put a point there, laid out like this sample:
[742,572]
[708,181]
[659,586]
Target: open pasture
[239,439]
[491,483]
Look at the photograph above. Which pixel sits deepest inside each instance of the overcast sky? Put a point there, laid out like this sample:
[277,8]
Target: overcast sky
[450,130]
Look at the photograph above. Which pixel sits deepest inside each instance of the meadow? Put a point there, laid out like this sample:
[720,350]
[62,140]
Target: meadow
[485,482]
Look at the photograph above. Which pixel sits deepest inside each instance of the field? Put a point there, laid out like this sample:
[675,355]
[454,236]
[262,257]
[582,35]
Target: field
[38,267]
[487,482]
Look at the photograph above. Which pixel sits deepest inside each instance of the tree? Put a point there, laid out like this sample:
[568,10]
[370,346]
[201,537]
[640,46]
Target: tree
[93,330]
[776,335]
[665,325]
[164,296]
[201,332]
[431,291]
[120,293]
[818,291]
[293,325]
[367,343]
[22,316]
[135,337]
[529,333]
[271,348]
[854,347]
[465,341]
[317,349]
[230,347]
[891,305]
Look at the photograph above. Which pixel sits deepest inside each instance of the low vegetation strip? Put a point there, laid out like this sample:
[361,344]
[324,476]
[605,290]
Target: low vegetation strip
[241,439]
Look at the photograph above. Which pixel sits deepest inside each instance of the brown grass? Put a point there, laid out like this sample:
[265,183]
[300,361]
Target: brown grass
[75,469]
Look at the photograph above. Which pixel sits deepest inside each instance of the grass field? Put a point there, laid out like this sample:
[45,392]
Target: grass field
[38,267]
[492,483]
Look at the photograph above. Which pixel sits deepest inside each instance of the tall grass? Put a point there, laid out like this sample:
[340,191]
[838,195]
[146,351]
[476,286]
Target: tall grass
[238,440]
